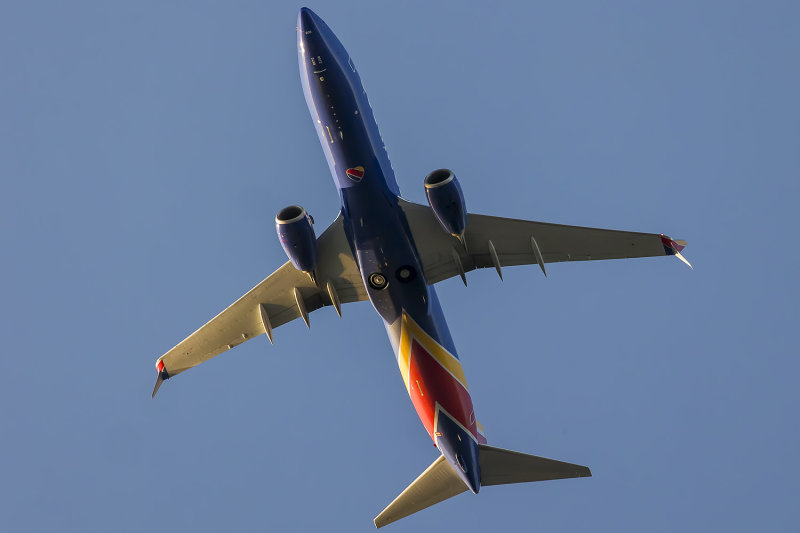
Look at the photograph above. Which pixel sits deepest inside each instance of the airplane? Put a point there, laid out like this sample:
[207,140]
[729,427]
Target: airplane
[392,252]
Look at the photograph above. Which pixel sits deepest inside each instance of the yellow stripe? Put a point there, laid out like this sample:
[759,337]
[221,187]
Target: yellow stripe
[445,358]
[404,352]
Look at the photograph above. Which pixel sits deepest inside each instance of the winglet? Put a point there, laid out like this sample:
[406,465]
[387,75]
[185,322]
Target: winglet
[162,375]
[673,247]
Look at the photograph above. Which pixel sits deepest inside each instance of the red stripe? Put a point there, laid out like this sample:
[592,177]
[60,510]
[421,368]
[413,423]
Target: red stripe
[667,241]
[429,383]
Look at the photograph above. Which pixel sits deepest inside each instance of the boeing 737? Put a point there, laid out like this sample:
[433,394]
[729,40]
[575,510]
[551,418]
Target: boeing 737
[392,252]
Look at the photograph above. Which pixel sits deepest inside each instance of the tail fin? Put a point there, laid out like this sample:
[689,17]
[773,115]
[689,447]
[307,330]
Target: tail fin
[498,467]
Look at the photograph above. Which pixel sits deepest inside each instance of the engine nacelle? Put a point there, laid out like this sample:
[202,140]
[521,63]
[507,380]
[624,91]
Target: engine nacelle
[447,201]
[297,237]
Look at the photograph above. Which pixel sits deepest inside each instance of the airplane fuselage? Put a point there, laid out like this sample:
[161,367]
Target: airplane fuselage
[381,242]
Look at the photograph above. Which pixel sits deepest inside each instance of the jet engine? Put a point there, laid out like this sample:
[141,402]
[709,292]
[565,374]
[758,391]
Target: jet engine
[447,201]
[294,226]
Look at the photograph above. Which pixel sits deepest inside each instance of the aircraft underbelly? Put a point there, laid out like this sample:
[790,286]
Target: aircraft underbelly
[382,244]
[410,309]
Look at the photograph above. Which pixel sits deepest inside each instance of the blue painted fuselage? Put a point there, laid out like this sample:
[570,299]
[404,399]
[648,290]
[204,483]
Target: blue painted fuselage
[382,245]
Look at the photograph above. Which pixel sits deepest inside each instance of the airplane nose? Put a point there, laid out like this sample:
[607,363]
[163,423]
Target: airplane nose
[307,20]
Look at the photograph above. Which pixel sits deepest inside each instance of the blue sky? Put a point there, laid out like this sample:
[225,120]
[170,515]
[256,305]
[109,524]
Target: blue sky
[145,148]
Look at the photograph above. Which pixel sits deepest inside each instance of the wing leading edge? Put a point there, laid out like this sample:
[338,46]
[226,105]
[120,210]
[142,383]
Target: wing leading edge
[285,295]
[495,242]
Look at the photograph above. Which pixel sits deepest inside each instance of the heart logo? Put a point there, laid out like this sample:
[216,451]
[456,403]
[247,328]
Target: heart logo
[355,174]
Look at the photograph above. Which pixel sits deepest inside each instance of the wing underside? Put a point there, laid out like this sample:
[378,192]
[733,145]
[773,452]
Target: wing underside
[285,295]
[495,242]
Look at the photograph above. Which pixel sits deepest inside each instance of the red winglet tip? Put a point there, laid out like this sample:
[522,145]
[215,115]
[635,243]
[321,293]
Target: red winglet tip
[671,243]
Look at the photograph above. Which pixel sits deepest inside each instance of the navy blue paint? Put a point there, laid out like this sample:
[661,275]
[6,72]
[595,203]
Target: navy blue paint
[460,449]
[297,237]
[447,201]
[374,223]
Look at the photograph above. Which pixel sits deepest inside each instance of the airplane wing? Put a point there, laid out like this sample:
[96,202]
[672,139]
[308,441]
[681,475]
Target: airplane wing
[497,242]
[285,295]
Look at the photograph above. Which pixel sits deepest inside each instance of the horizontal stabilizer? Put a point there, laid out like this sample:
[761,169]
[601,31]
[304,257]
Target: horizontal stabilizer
[437,483]
[498,467]
[501,467]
